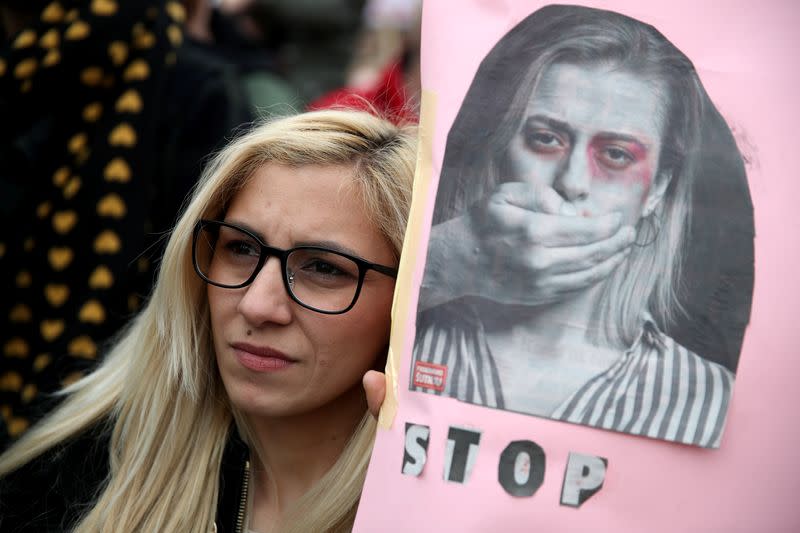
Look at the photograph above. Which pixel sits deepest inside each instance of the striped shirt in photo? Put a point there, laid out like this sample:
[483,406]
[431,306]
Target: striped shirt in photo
[657,388]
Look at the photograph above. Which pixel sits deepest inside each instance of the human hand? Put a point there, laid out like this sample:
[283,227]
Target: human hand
[523,245]
[374,383]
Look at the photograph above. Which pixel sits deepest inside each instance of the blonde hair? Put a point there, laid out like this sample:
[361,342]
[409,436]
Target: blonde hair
[158,388]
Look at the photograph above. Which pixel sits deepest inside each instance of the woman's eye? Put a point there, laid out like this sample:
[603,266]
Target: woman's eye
[242,248]
[323,268]
[616,157]
[544,141]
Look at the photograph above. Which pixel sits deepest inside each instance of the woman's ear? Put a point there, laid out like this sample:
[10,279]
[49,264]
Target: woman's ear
[657,191]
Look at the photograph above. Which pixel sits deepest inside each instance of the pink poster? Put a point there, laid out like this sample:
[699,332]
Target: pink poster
[591,324]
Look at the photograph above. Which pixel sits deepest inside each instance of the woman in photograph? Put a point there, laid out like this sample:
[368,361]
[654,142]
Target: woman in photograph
[234,400]
[560,228]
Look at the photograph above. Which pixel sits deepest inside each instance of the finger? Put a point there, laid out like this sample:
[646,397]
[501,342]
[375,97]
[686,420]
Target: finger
[573,281]
[556,231]
[375,388]
[577,258]
[536,197]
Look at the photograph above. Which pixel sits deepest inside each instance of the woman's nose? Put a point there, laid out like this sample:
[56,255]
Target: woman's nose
[266,300]
[573,179]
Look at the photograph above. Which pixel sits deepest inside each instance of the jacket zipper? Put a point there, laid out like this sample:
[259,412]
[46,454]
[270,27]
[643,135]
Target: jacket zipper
[243,501]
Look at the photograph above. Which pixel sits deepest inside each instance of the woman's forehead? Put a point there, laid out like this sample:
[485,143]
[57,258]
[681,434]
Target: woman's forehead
[292,205]
[600,97]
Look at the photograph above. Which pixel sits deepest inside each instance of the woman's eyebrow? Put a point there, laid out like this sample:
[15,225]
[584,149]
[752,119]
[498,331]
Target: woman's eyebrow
[330,245]
[550,122]
[624,137]
[245,225]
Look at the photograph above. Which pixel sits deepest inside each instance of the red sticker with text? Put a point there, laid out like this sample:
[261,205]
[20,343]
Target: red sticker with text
[430,376]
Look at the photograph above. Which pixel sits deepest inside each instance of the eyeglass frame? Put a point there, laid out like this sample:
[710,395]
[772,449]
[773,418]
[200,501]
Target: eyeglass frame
[267,251]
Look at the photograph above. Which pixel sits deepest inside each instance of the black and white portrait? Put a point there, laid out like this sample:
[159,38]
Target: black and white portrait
[591,253]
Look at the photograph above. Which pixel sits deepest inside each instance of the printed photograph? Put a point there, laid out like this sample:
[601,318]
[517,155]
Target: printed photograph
[591,251]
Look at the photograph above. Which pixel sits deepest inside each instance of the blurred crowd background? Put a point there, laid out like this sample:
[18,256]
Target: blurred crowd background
[108,111]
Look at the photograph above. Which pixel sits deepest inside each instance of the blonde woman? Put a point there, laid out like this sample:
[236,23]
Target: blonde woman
[234,400]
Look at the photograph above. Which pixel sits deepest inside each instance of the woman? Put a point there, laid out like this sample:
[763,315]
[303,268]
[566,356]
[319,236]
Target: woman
[564,258]
[233,401]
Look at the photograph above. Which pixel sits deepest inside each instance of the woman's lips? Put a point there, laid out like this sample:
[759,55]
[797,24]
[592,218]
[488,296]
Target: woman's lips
[260,358]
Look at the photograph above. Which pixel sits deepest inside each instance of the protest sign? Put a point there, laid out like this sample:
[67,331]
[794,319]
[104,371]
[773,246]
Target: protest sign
[591,321]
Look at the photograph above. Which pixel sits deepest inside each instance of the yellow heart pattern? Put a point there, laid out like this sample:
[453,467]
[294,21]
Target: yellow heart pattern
[52,58]
[104,8]
[28,244]
[60,177]
[50,39]
[25,39]
[16,426]
[64,221]
[29,392]
[24,279]
[10,381]
[20,313]
[59,257]
[16,347]
[92,112]
[101,278]
[117,170]
[122,135]
[41,362]
[111,205]
[144,40]
[2,67]
[51,329]
[118,52]
[77,30]
[107,243]
[25,68]
[43,209]
[92,312]
[92,76]
[53,13]
[71,378]
[175,35]
[129,102]
[82,346]
[176,11]
[77,142]
[56,294]
[72,187]
[138,70]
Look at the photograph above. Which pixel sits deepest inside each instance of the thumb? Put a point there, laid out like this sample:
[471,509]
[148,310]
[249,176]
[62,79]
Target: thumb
[550,202]
[375,388]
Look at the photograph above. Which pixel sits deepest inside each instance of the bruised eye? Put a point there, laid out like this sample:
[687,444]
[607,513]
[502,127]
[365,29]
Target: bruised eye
[615,157]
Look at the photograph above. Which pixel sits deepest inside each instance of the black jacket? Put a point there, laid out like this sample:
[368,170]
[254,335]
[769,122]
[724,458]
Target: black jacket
[54,490]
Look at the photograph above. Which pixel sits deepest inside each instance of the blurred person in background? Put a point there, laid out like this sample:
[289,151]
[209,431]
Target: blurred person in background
[384,71]
[312,41]
[105,125]
[227,40]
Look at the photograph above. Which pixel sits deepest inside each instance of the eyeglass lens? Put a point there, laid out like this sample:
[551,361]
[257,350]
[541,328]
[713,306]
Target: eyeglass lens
[321,279]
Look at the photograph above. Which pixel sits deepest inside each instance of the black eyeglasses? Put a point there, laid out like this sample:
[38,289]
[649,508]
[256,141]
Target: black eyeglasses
[317,278]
